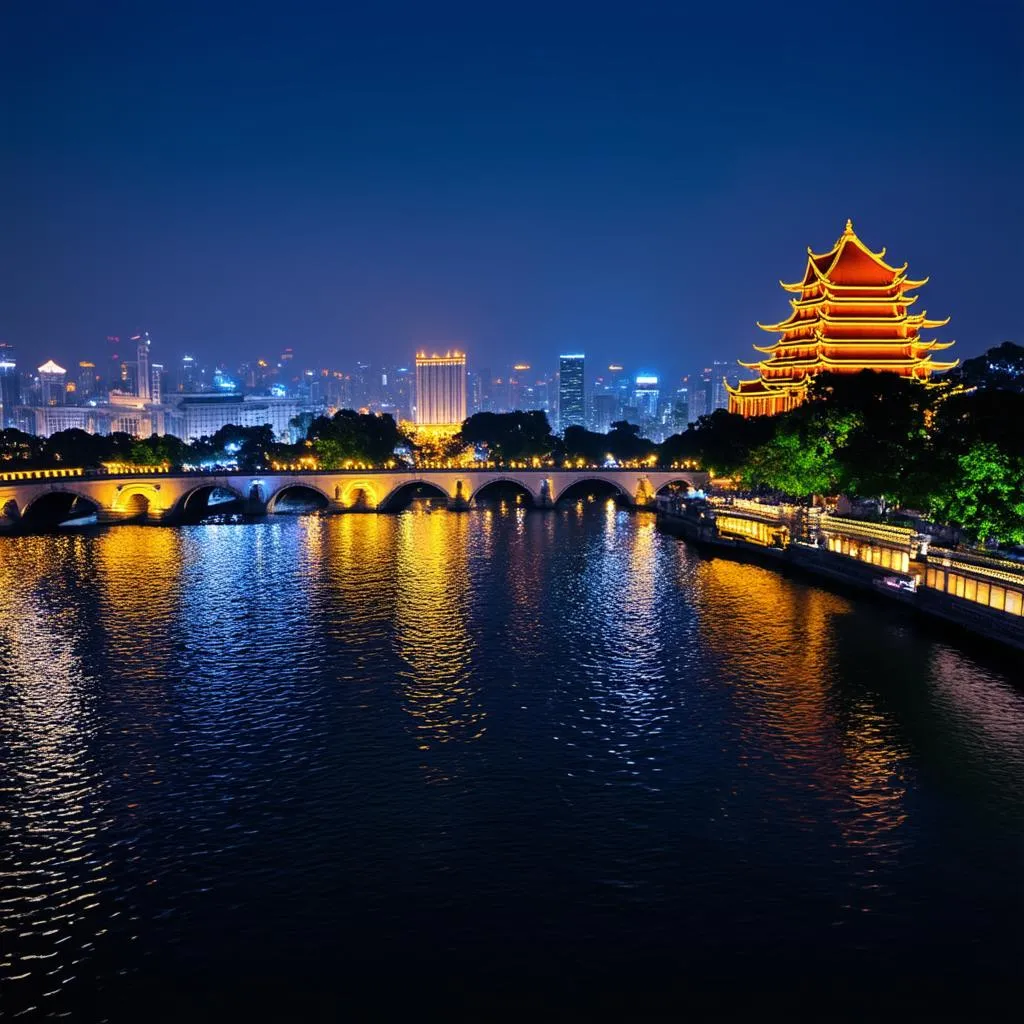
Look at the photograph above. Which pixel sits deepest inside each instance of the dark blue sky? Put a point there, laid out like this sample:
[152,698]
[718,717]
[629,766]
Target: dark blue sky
[628,179]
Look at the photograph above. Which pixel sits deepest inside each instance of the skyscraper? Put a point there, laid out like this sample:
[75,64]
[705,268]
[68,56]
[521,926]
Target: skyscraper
[52,383]
[646,394]
[440,389]
[156,383]
[572,403]
[86,380]
[719,390]
[10,385]
[143,383]
[518,382]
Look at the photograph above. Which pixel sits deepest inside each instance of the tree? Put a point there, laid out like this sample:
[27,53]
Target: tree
[878,426]
[19,450]
[724,440]
[999,367]
[510,436]
[580,443]
[353,436]
[158,451]
[986,497]
[625,444]
[797,460]
[679,448]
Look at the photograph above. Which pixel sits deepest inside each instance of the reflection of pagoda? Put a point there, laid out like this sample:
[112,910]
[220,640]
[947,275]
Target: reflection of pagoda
[849,314]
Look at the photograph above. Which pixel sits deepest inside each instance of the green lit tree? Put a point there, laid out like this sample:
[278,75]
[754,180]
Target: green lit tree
[985,496]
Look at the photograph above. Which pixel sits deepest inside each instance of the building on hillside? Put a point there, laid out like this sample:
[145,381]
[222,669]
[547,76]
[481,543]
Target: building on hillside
[850,312]
[440,390]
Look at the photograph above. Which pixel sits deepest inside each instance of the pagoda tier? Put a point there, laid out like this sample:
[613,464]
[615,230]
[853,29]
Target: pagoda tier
[851,312]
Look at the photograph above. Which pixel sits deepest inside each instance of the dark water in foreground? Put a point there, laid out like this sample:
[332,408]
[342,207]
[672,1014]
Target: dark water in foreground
[463,763]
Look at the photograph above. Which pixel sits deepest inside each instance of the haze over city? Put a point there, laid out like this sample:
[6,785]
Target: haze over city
[626,181]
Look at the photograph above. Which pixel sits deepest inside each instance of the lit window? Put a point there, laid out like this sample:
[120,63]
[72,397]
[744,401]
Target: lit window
[997,598]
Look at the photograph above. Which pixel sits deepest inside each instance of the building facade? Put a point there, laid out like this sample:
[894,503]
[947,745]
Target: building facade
[572,400]
[440,389]
[10,386]
[52,383]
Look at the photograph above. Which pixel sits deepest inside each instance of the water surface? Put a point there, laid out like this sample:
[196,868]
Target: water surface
[463,761]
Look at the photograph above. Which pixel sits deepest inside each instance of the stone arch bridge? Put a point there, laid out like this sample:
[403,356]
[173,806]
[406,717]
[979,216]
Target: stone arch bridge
[174,497]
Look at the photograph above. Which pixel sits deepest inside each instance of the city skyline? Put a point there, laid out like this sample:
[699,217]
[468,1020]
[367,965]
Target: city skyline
[386,186]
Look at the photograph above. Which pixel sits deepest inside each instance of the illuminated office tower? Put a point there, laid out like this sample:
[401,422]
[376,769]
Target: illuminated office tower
[518,382]
[572,403]
[87,380]
[722,377]
[52,383]
[10,386]
[646,395]
[156,383]
[142,378]
[440,389]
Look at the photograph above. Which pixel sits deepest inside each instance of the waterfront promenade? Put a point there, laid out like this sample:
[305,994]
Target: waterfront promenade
[980,592]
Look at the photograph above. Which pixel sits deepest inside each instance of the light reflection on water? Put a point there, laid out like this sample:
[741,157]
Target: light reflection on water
[517,733]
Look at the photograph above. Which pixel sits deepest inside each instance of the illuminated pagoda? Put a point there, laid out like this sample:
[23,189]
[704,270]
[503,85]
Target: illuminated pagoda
[849,313]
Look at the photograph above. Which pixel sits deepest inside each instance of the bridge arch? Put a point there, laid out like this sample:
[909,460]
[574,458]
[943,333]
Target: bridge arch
[56,506]
[187,504]
[684,482]
[603,481]
[404,492]
[319,496]
[504,481]
[359,495]
[136,499]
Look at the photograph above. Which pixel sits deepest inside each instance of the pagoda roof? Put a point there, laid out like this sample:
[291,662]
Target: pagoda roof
[849,263]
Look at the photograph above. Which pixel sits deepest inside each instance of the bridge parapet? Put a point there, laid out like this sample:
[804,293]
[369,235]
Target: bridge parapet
[163,497]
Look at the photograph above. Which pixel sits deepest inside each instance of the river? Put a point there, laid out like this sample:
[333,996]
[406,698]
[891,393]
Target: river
[464,762]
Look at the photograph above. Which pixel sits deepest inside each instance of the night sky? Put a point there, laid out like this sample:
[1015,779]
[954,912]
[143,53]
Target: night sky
[630,180]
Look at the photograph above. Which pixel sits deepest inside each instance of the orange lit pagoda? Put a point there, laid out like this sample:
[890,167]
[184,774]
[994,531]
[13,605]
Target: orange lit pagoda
[850,313]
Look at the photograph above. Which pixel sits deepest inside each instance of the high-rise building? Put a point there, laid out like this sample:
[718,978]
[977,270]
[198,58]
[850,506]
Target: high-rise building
[189,379]
[645,395]
[143,383]
[52,383]
[156,383]
[440,389]
[10,386]
[701,394]
[114,363]
[87,380]
[572,402]
[605,406]
[681,406]
[719,386]
[518,382]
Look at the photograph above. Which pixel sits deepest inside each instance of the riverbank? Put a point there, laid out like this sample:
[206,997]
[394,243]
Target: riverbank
[941,586]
